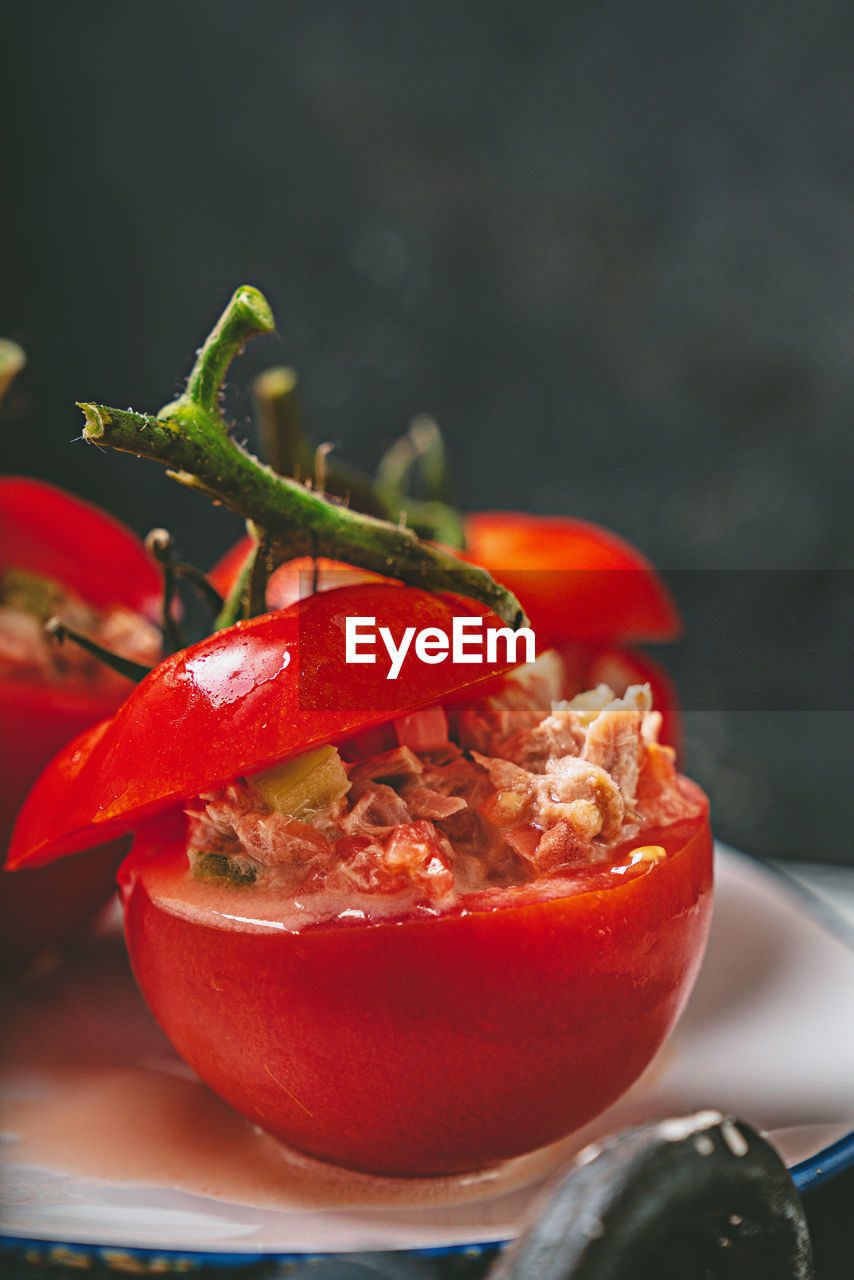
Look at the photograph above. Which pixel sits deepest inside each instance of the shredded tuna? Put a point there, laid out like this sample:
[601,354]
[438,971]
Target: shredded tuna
[423,802]
[377,810]
[570,790]
[560,848]
[528,790]
[401,762]
[488,723]
[613,742]
[237,820]
[661,799]
[558,734]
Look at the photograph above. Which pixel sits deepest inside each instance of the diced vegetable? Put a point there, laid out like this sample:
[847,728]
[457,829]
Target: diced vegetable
[221,868]
[425,730]
[302,786]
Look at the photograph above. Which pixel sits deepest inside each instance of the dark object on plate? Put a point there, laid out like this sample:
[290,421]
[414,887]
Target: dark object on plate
[699,1196]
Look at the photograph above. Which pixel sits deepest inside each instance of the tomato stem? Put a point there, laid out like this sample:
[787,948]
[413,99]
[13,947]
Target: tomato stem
[233,607]
[422,447]
[288,447]
[190,437]
[422,444]
[247,315]
[12,361]
[256,598]
[159,544]
[281,426]
[58,631]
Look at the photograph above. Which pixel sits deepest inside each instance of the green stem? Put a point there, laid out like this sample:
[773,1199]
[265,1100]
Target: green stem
[280,422]
[422,446]
[247,315]
[12,361]
[288,448]
[430,447]
[256,600]
[232,609]
[59,632]
[189,437]
[204,589]
[160,545]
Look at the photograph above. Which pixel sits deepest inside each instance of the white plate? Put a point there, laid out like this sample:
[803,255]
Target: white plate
[112,1145]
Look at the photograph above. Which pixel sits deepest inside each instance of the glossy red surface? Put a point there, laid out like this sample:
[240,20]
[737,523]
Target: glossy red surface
[427,1046]
[575,580]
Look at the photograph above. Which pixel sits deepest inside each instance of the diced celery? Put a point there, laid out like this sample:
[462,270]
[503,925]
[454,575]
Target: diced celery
[222,868]
[301,786]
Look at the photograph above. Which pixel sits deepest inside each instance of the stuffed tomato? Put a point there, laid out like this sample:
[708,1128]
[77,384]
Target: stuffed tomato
[60,555]
[411,926]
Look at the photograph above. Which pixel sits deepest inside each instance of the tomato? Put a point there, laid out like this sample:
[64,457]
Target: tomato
[431,1046]
[575,580]
[405,1046]
[50,534]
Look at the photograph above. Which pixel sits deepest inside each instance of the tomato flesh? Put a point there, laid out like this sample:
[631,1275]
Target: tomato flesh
[426,1046]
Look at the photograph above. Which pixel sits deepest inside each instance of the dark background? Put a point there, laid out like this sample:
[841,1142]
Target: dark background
[610,247]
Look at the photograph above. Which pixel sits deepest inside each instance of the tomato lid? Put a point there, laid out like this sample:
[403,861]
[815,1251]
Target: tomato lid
[239,701]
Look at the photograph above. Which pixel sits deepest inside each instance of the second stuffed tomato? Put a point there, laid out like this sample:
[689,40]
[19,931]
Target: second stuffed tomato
[411,926]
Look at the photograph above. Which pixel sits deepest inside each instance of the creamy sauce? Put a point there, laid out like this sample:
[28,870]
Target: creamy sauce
[258,908]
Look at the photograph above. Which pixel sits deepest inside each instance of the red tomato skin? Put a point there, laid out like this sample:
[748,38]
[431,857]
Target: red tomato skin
[41,718]
[48,532]
[56,535]
[53,534]
[46,906]
[430,1046]
[574,579]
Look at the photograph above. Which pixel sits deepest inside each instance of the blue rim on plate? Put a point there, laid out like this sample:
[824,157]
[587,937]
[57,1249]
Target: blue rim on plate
[827,1164]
